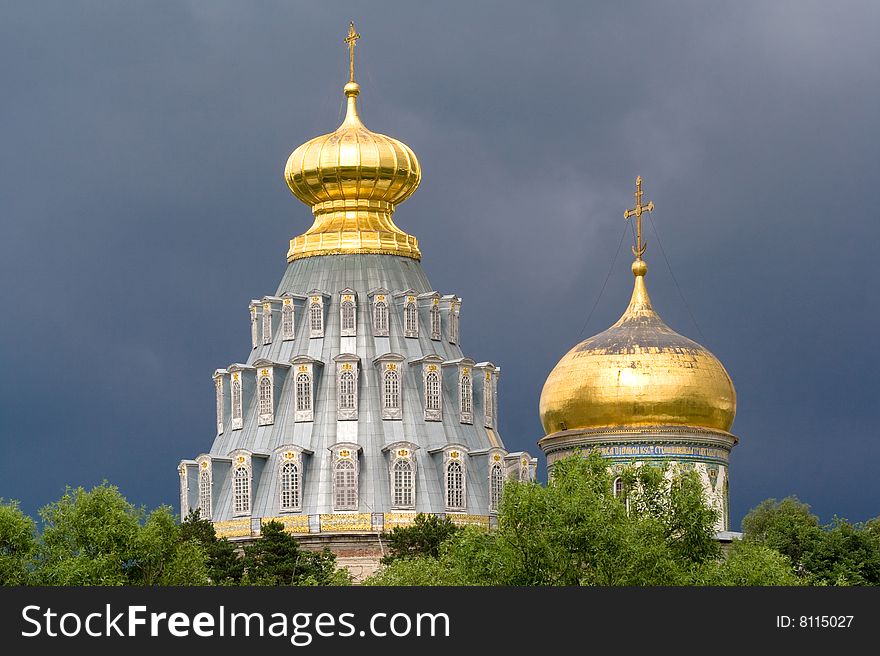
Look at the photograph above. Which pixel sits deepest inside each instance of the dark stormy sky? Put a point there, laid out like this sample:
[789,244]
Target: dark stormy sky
[142,206]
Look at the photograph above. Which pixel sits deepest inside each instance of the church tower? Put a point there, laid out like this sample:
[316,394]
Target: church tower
[357,407]
[641,393]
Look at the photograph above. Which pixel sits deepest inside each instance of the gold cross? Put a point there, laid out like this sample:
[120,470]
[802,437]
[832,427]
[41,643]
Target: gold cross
[640,248]
[351,40]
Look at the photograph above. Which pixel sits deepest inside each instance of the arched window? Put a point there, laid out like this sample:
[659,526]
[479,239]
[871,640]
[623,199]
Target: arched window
[241,491]
[432,391]
[619,491]
[380,319]
[265,397]
[347,393]
[255,328]
[435,322]
[345,485]
[267,324]
[496,482]
[488,400]
[316,319]
[454,486]
[402,481]
[219,388]
[287,321]
[290,486]
[391,398]
[348,320]
[303,392]
[205,495]
[236,404]
[410,320]
[466,395]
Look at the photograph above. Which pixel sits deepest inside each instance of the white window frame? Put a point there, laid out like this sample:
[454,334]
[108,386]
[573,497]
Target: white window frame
[316,316]
[488,399]
[219,393]
[206,484]
[436,322]
[184,491]
[304,393]
[466,395]
[410,317]
[265,396]
[380,315]
[433,383]
[496,485]
[348,314]
[347,373]
[267,323]
[455,481]
[403,483]
[241,490]
[290,471]
[288,318]
[345,487]
[255,329]
[392,392]
[236,401]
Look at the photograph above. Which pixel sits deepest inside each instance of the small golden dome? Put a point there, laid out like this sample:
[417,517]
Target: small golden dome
[639,372]
[353,179]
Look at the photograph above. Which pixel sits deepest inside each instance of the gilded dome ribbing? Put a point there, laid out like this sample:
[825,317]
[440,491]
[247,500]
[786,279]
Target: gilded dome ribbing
[638,373]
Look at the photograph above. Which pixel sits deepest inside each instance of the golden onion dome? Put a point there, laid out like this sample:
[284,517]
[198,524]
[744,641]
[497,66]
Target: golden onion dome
[353,179]
[638,373]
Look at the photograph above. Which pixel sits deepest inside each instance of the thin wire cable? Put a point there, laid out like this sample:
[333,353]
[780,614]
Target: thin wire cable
[674,279]
[610,269]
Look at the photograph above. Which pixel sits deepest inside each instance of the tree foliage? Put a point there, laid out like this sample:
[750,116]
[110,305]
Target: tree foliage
[422,538]
[277,559]
[17,544]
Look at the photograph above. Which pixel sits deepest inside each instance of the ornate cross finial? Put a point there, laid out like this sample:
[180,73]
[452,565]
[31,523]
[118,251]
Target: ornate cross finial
[639,249]
[351,40]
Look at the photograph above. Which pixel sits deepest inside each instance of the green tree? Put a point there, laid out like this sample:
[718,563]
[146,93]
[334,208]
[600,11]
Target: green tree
[787,526]
[846,554]
[749,564]
[224,565]
[574,531]
[422,538]
[17,544]
[276,559]
[89,538]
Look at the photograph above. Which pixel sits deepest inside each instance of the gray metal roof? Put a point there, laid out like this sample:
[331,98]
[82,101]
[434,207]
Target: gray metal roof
[361,274]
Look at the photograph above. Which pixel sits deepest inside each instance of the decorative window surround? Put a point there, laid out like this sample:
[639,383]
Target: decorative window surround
[255,326]
[289,302]
[347,366]
[487,390]
[496,479]
[345,476]
[409,301]
[402,474]
[238,389]
[206,486]
[316,317]
[220,394]
[429,303]
[242,474]
[459,375]
[452,306]
[380,299]
[432,386]
[290,477]
[305,382]
[455,458]
[267,389]
[390,367]
[348,313]
[183,471]
[267,322]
